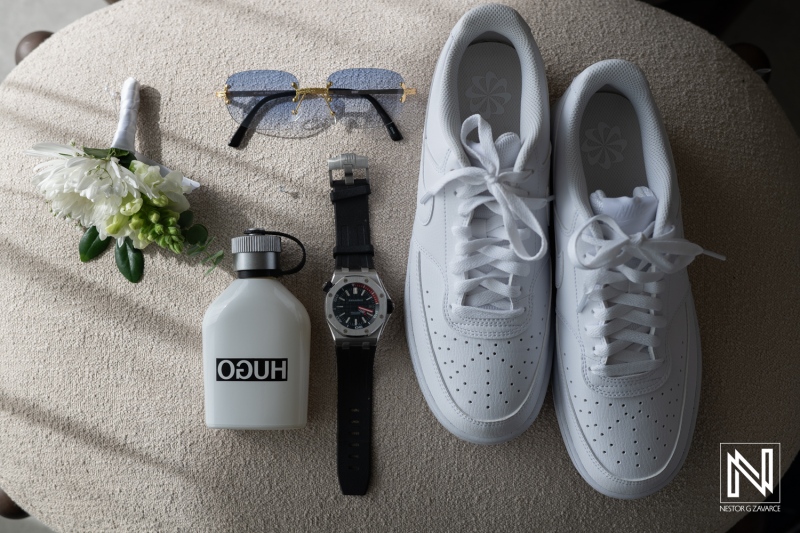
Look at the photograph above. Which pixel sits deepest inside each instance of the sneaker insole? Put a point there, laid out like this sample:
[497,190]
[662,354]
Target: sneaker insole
[611,146]
[490,84]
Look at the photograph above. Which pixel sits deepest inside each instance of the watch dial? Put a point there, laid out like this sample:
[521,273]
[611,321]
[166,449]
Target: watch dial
[355,306]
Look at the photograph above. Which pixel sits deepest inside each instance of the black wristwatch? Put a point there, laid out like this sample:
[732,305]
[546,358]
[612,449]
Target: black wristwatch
[357,308]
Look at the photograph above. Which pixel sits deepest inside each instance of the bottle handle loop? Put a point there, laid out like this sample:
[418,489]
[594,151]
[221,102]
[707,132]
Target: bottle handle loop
[297,268]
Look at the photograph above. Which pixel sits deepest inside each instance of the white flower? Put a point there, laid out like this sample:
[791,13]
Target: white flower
[172,185]
[80,187]
[104,194]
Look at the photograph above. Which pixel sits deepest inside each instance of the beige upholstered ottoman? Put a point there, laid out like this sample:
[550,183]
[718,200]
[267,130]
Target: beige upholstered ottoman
[101,391]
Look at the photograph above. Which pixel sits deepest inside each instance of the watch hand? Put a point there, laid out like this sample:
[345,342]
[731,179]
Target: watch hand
[365,310]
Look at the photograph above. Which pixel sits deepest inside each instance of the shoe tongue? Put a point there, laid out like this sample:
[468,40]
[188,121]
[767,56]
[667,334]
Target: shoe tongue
[508,146]
[632,214]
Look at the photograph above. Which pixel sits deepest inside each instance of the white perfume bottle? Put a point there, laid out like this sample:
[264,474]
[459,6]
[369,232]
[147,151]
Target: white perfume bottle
[256,340]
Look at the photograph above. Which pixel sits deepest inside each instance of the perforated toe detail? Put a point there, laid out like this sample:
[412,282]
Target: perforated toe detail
[489,380]
[632,438]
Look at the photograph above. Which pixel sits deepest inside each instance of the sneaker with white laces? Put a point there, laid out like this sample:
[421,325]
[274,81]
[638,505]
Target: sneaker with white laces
[626,377]
[478,286]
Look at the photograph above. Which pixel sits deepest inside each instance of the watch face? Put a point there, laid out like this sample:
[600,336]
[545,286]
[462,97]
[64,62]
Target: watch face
[355,306]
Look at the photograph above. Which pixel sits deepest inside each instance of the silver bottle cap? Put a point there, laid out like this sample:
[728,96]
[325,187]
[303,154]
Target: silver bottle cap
[256,251]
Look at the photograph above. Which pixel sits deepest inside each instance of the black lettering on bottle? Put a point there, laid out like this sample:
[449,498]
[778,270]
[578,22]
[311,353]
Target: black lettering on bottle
[252,369]
[220,375]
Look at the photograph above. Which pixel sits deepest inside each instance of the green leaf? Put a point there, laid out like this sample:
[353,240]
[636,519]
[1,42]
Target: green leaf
[197,234]
[125,157]
[126,160]
[92,245]
[130,261]
[118,152]
[185,220]
[216,258]
[98,153]
[194,249]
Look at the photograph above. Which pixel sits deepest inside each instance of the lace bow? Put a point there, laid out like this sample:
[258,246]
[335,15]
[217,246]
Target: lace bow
[489,263]
[628,290]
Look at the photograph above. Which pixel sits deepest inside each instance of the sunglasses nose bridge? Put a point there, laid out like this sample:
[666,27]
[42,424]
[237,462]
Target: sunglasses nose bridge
[300,95]
[328,98]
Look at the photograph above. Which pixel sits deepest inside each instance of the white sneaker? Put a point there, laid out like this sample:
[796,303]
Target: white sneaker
[627,365]
[478,295]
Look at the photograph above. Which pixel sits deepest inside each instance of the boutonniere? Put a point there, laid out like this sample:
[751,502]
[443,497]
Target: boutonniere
[117,194]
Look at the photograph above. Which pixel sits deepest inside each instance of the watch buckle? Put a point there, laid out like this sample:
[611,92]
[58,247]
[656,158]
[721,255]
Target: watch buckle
[348,163]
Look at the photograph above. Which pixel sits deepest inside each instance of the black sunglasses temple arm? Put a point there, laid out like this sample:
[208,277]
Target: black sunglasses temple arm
[237,138]
[391,128]
[394,133]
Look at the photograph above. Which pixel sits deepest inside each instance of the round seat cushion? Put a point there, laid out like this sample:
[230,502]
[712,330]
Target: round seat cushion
[101,389]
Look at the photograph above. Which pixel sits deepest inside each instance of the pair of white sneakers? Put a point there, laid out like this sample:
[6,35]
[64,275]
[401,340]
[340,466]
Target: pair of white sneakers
[478,299]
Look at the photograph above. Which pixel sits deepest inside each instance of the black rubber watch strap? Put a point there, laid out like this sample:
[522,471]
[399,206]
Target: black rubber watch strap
[354,432]
[353,246]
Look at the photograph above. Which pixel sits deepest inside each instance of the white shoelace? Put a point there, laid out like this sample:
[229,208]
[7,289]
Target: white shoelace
[489,263]
[628,291]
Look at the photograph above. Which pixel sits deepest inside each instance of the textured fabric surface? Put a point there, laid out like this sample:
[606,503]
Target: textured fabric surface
[101,391]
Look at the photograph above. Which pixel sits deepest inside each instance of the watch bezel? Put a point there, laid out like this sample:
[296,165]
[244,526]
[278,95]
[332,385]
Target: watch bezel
[370,281]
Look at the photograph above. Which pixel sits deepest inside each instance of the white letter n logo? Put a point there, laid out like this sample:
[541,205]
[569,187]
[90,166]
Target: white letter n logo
[738,464]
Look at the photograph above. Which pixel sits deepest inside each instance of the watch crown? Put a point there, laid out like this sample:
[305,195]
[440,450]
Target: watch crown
[327,286]
[389,307]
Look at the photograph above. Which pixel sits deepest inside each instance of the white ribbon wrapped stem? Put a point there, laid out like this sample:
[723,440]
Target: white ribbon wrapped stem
[125,137]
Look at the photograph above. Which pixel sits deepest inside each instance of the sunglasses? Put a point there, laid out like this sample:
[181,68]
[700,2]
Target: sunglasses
[272,102]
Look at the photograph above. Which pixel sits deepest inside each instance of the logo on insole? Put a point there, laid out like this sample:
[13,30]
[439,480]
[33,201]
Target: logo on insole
[488,94]
[603,145]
